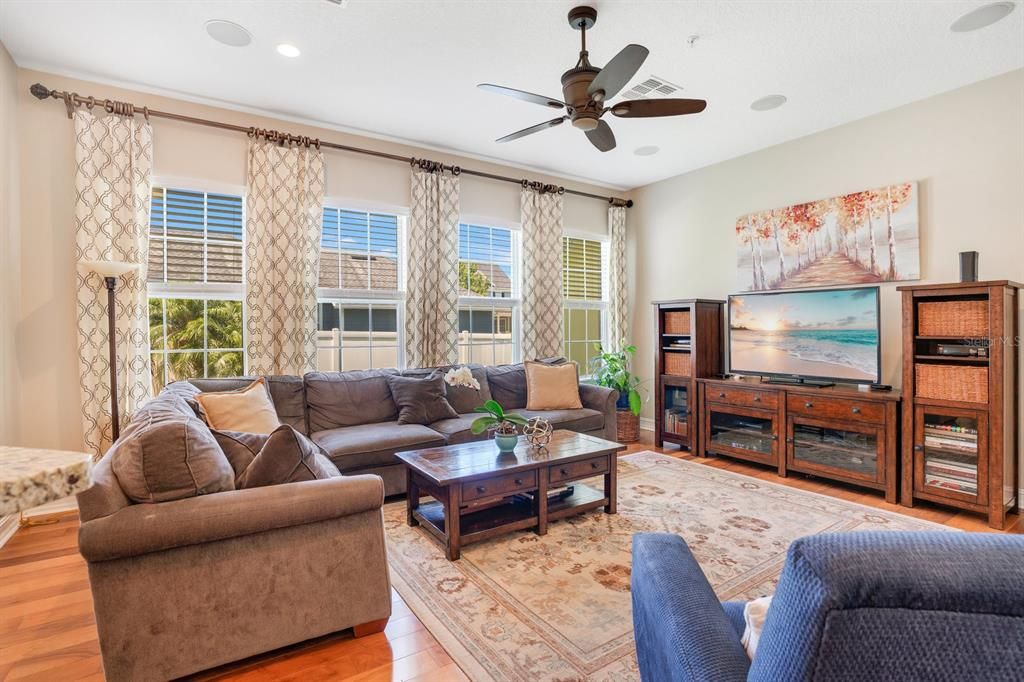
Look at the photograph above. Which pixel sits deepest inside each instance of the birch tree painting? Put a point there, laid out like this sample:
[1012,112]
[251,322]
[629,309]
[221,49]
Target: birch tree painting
[859,238]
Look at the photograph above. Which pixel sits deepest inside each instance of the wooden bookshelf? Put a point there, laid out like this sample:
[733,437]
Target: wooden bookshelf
[688,345]
[960,424]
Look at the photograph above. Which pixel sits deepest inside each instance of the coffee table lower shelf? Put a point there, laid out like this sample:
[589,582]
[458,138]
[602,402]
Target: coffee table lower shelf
[517,512]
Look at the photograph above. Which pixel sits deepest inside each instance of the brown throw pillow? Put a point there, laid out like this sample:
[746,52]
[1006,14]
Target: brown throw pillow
[240,448]
[248,409]
[286,457]
[552,387]
[421,401]
[171,460]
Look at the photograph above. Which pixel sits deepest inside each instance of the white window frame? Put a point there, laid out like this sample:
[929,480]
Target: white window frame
[205,291]
[602,305]
[358,297]
[513,302]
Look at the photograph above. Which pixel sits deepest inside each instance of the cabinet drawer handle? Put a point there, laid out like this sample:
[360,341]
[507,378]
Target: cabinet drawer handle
[757,398]
[594,465]
[519,481]
[775,436]
[808,405]
[918,448]
[789,440]
[856,410]
[721,395]
[564,472]
[481,489]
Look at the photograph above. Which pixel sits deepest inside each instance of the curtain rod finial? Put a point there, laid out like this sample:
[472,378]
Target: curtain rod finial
[40,91]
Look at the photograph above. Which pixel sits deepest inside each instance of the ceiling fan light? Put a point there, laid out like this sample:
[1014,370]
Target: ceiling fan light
[585,123]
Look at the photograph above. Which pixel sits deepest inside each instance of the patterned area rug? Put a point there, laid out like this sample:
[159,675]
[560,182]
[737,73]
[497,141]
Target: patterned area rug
[524,607]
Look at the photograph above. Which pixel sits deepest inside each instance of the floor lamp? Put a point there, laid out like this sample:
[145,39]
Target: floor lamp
[110,271]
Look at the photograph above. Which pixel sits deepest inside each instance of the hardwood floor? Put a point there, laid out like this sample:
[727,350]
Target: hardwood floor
[47,631]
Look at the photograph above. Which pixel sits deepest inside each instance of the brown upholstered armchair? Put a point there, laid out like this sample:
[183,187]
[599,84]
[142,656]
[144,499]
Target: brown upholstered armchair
[187,585]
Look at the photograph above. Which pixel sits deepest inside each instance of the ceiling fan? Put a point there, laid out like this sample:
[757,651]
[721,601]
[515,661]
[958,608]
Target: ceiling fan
[586,89]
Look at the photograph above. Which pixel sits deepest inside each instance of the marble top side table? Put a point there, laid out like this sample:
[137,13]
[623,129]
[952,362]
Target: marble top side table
[31,477]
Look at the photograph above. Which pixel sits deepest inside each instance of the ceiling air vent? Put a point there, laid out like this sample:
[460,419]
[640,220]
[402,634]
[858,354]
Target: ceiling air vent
[652,87]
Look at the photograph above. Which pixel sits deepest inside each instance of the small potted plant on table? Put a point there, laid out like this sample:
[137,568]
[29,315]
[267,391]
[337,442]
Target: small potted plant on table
[505,426]
[611,370]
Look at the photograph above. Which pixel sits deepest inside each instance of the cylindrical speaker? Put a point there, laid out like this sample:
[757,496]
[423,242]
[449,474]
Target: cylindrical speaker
[968,266]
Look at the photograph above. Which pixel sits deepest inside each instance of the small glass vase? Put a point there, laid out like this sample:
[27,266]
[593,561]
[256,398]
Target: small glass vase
[506,442]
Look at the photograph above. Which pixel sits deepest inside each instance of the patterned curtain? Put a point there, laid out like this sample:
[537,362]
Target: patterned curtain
[113,182]
[618,320]
[541,215]
[284,206]
[432,297]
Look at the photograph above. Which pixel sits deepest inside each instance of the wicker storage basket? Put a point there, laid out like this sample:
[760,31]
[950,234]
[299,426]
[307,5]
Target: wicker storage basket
[677,322]
[677,363]
[628,426]
[968,319]
[951,382]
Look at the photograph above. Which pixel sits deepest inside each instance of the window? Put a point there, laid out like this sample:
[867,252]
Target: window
[488,295]
[361,290]
[195,285]
[585,303]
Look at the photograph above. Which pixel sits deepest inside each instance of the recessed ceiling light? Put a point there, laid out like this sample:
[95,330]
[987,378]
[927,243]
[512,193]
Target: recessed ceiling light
[767,103]
[228,32]
[647,150]
[286,50]
[986,15]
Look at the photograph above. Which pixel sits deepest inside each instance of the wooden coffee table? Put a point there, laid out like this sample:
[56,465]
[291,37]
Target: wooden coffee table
[479,493]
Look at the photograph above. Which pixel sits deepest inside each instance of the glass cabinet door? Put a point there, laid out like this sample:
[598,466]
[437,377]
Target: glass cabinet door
[741,432]
[950,452]
[847,451]
[676,410]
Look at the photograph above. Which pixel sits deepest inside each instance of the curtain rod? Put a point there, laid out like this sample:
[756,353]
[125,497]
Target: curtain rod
[73,99]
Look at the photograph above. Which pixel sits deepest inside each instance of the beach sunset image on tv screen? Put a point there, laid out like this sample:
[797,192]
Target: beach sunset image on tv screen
[825,334]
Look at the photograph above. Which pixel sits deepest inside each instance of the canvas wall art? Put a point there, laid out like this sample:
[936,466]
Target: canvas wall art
[858,238]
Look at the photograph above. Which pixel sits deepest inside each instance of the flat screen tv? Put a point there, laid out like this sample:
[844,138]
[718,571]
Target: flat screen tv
[827,334]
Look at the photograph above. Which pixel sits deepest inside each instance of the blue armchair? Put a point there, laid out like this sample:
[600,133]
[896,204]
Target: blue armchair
[849,606]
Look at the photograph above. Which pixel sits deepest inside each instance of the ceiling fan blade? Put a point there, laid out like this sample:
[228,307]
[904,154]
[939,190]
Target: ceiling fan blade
[532,129]
[640,108]
[523,95]
[616,73]
[602,137]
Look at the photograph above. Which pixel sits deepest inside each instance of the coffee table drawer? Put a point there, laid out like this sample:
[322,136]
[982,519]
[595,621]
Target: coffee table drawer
[508,484]
[586,467]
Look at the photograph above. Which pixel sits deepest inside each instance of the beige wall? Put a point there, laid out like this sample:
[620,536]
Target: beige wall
[47,371]
[965,148]
[8,238]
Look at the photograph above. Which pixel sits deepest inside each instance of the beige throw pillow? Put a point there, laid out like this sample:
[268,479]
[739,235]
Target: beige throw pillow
[552,387]
[248,409]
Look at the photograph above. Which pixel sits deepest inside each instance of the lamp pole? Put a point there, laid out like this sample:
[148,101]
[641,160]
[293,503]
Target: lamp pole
[115,417]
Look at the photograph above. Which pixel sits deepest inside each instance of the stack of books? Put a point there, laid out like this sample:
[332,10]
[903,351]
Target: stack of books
[675,420]
[679,343]
[951,459]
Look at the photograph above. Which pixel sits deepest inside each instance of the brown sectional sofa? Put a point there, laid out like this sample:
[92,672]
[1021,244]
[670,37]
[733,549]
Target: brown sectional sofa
[352,416]
[185,585]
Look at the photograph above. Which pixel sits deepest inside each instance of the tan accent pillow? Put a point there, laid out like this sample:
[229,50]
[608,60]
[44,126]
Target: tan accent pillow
[552,387]
[248,409]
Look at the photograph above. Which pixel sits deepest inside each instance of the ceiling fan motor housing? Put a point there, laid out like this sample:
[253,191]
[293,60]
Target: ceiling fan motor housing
[583,111]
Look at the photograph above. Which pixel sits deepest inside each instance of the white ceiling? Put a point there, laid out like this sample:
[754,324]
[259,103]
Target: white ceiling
[406,69]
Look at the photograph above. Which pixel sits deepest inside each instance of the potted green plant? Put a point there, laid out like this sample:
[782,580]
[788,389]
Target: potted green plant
[505,426]
[611,369]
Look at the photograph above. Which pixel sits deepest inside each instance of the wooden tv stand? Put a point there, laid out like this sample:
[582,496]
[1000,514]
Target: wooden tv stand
[836,432]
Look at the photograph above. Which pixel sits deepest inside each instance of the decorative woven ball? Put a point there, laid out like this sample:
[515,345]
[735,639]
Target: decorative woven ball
[538,432]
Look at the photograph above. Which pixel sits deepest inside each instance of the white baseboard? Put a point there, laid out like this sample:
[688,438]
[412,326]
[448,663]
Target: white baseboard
[8,527]
[647,423]
[9,523]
